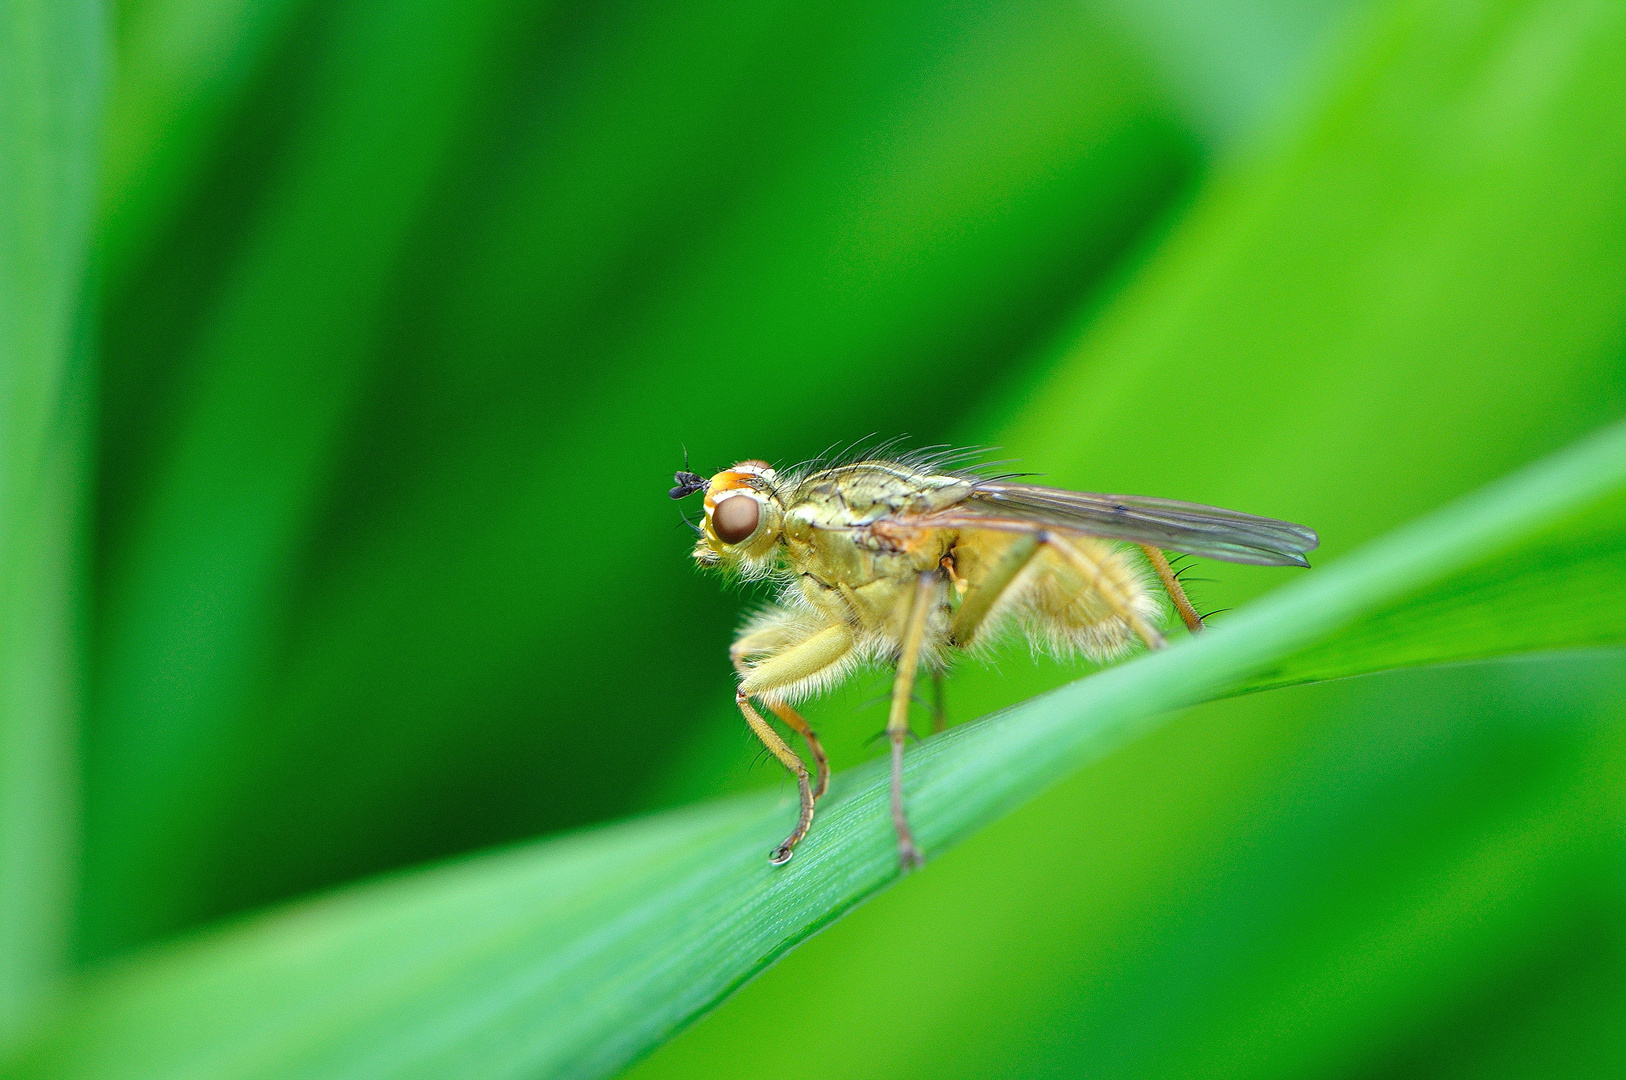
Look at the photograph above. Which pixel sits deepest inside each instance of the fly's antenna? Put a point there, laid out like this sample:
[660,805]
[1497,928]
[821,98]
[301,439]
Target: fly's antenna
[687,482]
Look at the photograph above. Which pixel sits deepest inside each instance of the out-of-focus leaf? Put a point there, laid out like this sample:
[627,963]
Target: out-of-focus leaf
[1418,292]
[574,957]
[193,591]
[1236,66]
[731,227]
[51,71]
[182,66]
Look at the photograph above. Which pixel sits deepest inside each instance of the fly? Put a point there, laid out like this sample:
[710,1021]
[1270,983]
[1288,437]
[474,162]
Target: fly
[906,561]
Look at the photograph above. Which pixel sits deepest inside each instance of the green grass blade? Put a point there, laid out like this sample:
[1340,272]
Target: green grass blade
[51,71]
[574,957]
[1561,589]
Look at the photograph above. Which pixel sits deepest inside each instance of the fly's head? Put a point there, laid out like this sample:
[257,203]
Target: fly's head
[743,518]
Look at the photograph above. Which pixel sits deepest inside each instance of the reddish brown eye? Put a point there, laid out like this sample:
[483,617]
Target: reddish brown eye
[736,518]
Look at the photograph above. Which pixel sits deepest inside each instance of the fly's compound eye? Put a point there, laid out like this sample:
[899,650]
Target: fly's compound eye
[735,519]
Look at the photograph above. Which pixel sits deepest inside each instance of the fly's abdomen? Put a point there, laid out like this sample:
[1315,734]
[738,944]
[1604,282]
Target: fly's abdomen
[1054,603]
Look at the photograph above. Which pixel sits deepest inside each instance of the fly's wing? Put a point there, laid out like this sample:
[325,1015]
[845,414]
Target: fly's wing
[1162,523]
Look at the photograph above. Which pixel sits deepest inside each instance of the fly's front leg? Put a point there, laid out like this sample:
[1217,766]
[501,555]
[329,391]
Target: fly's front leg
[755,644]
[1171,585]
[801,661]
[897,723]
[787,757]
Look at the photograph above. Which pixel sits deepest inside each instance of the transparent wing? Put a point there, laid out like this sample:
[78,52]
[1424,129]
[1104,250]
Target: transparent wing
[1163,523]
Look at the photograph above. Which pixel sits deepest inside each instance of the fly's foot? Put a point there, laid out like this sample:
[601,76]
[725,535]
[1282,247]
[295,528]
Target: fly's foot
[781,854]
[909,856]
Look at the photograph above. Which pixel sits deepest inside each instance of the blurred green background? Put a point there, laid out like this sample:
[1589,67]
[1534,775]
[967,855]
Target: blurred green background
[402,312]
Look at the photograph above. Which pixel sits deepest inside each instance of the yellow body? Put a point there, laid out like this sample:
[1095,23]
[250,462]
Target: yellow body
[850,574]
[895,562]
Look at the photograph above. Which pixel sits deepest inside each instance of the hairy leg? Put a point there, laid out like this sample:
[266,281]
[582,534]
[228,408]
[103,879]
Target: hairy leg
[787,757]
[800,661]
[1171,585]
[980,598]
[754,644]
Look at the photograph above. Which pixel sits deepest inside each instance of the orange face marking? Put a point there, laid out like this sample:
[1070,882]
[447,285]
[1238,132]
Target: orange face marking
[745,476]
[741,476]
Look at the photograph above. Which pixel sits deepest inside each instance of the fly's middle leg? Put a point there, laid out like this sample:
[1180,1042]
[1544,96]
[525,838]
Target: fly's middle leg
[897,723]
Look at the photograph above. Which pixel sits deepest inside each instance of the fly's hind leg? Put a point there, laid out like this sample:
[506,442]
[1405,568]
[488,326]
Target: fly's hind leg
[800,661]
[1176,591]
[897,723]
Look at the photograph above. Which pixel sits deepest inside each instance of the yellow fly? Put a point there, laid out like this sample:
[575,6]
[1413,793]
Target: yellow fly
[907,559]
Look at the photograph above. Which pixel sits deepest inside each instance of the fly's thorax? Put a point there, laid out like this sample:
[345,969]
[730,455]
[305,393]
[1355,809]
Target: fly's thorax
[840,525]
[836,556]
[869,491]
[848,524]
